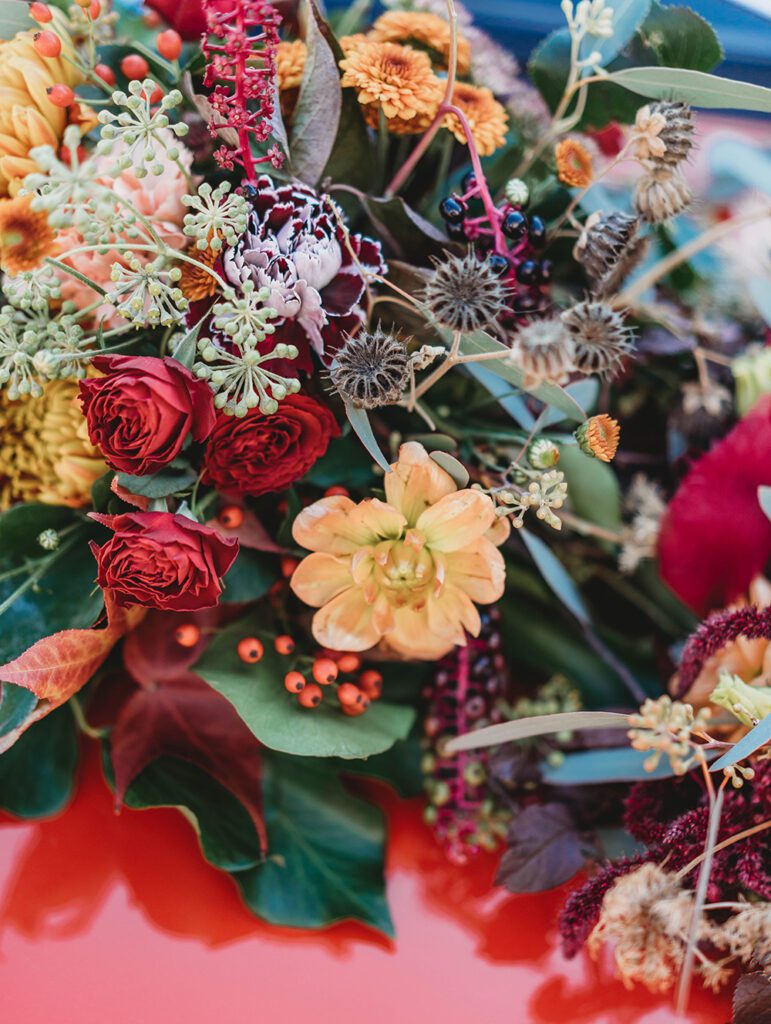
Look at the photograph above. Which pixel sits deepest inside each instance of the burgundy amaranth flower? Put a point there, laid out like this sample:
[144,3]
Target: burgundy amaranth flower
[295,246]
[714,634]
[582,908]
[240,50]
[715,538]
[466,685]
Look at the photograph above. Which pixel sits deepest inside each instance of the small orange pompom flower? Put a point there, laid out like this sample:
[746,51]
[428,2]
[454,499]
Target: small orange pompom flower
[397,79]
[487,119]
[196,283]
[406,570]
[574,163]
[26,237]
[426,29]
[598,437]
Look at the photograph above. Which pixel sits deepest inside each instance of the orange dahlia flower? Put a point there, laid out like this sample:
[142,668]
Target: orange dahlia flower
[487,119]
[26,237]
[425,29]
[398,79]
[406,570]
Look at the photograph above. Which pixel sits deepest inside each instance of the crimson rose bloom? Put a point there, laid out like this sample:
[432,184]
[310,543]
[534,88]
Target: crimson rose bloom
[140,413]
[715,537]
[161,560]
[259,454]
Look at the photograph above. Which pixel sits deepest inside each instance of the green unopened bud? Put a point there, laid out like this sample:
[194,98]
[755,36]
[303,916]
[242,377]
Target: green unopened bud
[517,192]
[48,540]
[748,703]
[543,454]
[752,373]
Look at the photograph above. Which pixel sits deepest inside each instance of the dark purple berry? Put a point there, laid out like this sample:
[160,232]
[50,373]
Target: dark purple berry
[544,271]
[469,182]
[499,263]
[514,225]
[528,272]
[537,232]
[452,209]
[456,231]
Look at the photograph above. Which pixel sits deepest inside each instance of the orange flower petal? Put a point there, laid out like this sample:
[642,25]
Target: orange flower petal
[321,577]
[457,520]
[479,571]
[416,482]
[346,623]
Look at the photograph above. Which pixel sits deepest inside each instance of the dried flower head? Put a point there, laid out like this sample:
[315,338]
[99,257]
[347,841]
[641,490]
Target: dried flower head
[598,436]
[397,79]
[663,132]
[425,29]
[601,338]
[609,248]
[371,369]
[664,727]
[464,293]
[487,119]
[644,502]
[544,350]
[660,194]
[574,163]
[26,237]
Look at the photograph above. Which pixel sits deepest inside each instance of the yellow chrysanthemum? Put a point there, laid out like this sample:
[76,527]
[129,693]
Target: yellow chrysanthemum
[26,237]
[425,29]
[405,571]
[574,163]
[394,78]
[27,116]
[45,454]
[290,63]
[487,119]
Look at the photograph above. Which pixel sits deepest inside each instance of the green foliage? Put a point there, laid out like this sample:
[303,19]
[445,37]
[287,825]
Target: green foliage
[37,774]
[274,716]
[170,480]
[681,38]
[696,88]
[62,593]
[250,577]
[14,17]
[326,850]
[344,462]
[16,705]
[592,487]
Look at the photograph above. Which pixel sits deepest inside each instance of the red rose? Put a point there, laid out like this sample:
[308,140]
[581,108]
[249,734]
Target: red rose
[715,537]
[161,560]
[141,412]
[259,454]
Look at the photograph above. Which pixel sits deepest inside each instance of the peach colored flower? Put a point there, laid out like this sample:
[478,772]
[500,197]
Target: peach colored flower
[406,570]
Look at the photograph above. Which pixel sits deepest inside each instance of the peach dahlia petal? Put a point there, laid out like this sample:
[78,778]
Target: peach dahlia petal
[478,571]
[416,482]
[347,622]
[456,520]
[321,577]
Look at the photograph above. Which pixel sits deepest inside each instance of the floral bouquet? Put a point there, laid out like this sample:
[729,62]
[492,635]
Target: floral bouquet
[372,408]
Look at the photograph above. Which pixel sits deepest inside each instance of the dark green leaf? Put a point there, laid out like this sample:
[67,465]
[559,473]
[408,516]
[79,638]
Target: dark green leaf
[592,487]
[410,235]
[16,705]
[37,774]
[681,38]
[344,462]
[64,596]
[326,850]
[398,767]
[225,830]
[250,577]
[277,720]
[556,575]
[160,485]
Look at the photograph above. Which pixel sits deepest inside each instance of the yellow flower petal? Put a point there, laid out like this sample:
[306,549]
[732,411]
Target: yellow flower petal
[346,623]
[416,482]
[411,636]
[478,571]
[338,526]
[456,520]
[321,577]
[499,531]
[449,613]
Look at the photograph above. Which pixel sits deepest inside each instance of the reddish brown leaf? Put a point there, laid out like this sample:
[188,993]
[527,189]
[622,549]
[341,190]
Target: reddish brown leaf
[193,722]
[250,534]
[152,654]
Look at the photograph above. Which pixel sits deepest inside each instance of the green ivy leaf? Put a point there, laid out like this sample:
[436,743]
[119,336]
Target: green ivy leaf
[250,577]
[14,17]
[277,720]
[225,830]
[681,38]
[37,774]
[63,596]
[326,851]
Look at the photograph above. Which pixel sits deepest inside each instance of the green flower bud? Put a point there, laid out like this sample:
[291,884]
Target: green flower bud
[748,703]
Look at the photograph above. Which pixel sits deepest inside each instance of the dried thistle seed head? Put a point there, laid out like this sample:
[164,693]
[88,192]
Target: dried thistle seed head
[544,350]
[609,248]
[600,337]
[464,293]
[660,194]
[663,132]
[371,369]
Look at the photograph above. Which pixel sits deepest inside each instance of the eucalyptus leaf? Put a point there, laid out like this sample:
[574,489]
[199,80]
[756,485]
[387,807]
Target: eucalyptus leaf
[536,725]
[593,489]
[14,17]
[556,575]
[451,465]
[185,350]
[317,115]
[257,693]
[694,87]
[756,738]
[325,851]
[614,764]
[359,420]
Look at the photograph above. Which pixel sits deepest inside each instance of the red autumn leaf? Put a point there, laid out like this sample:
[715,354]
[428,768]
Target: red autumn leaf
[57,666]
[193,722]
[715,538]
[152,654]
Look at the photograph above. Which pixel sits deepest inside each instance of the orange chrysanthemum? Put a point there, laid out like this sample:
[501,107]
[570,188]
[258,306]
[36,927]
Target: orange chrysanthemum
[487,118]
[195,283]
[26,237]
[598,436]
[425,29]
[398,125]
[397,79]
[290,64]
[574,163]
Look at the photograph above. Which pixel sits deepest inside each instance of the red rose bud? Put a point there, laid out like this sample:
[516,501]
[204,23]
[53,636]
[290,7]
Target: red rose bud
[141,412]
[161,560]
[47,43]
[169,44]
[260,454]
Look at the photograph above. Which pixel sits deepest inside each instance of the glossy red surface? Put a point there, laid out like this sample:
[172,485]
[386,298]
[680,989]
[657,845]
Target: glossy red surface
[109,919]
